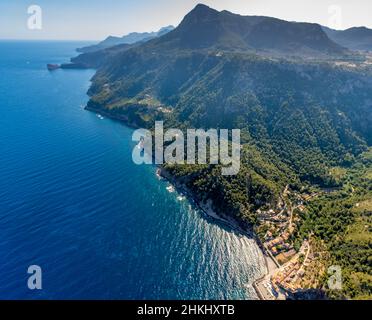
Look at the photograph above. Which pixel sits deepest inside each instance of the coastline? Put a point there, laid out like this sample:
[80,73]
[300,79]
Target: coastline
[109,115]
[259,284]
[206,208]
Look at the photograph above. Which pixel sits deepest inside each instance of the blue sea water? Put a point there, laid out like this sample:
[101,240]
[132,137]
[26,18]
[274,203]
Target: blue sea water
[73,202]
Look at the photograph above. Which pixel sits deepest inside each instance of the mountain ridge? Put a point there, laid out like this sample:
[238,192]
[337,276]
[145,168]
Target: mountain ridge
[129,39]
[355,38]
[204,27]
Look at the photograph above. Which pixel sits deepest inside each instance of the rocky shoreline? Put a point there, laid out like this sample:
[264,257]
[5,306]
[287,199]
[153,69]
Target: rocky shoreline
[109,115]
[205,207]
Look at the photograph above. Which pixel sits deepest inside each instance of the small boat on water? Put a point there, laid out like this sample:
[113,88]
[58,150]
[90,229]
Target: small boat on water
[170,189]
[181,198]
[52,67]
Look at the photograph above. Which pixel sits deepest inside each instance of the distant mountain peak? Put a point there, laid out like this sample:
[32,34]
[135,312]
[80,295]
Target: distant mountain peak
[204,27]
[170,27]
[200,11]
[131,38]
[202,7]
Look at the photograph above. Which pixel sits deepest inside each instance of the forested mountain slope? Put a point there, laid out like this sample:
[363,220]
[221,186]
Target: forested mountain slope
[303,105]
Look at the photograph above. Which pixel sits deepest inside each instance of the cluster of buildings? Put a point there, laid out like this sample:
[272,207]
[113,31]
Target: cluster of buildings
[278,227]
[288,277]
[280,224]
[296,269]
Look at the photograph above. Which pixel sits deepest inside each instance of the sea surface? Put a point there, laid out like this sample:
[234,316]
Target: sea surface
[73,202]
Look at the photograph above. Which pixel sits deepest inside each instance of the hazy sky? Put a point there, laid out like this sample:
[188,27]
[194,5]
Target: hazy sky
[96,19]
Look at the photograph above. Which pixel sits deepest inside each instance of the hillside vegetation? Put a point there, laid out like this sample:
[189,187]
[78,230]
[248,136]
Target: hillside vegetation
[305,119]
